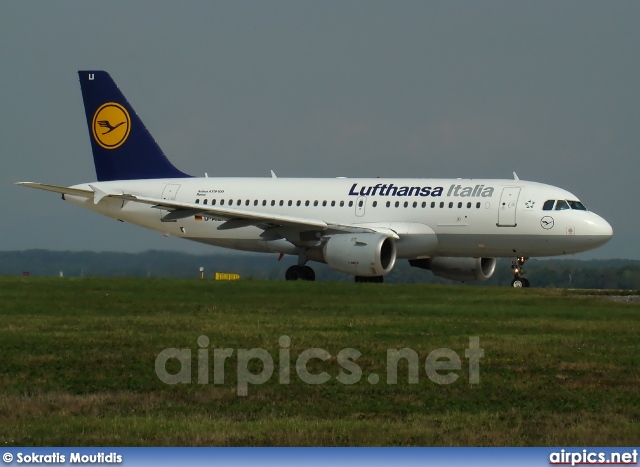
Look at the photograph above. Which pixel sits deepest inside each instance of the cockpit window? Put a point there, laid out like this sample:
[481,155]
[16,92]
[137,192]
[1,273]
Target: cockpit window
[577,205]
[548,205]
[562,205]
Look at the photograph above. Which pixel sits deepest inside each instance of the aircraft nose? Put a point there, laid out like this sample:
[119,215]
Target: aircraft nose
[600,229]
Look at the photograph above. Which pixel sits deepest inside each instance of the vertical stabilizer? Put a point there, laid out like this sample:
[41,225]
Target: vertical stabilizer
[123,148]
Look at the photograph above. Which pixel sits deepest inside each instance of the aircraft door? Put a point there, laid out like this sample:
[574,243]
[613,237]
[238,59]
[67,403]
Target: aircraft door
[169,193]
[507,208]
[361,204]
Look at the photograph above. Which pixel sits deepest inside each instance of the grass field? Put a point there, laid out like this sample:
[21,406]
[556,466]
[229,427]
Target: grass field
[78,364]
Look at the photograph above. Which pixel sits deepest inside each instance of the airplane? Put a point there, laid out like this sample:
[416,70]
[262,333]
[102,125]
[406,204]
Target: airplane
[456,228]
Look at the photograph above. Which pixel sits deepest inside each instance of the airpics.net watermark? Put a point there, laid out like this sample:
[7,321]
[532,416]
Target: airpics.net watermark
[440,366]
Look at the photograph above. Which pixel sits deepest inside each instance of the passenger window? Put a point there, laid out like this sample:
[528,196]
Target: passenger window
[281,203]
[459,204]
[561,205]
[441,204]
[333,203]
[406,204]
[324,203]
[469,205]
[315,203]
[548,205]
[221,202]
[350,204]
[246,203]
[290,203]
[213,202]
[433,204]
[273,202]
[388,203]
[341,204]
[306,203]
[255,202]
[397,203]
[204,202]
[230,202]
[197,201]
[298,203]
[478,205]
[264,202]
[375,203]
[450,205]
[360,203]
[240,202]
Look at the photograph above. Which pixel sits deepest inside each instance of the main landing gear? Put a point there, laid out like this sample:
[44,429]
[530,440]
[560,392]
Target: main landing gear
[300,273]
[374,279]
[516,266]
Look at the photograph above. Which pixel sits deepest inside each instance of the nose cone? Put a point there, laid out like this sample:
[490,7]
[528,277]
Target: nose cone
[598,229]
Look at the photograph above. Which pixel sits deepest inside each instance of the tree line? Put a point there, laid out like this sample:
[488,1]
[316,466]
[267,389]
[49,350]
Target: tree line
[562,273]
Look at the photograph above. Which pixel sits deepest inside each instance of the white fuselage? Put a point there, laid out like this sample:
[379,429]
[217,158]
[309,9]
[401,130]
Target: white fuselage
[431,217]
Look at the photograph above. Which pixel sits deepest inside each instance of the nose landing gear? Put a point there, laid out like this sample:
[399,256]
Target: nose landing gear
[517,267]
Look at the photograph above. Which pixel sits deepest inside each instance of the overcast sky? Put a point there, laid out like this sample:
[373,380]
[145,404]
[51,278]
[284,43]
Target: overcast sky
[550,90]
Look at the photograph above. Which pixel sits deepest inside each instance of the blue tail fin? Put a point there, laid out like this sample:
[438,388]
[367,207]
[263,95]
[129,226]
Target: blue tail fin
[123,148]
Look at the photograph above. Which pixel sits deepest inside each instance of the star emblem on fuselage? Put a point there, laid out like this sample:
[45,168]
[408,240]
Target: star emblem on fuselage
[529,204]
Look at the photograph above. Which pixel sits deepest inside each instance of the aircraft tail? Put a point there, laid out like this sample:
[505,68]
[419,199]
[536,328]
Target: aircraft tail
[123,148]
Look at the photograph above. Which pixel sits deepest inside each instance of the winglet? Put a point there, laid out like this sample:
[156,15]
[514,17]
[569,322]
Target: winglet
[273,174]
[515,176]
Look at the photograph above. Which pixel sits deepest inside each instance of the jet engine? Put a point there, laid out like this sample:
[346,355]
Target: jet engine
[363,254]
[458,269]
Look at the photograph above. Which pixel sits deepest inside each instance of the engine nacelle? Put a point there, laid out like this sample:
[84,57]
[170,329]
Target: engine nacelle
[458,269]
[367,254]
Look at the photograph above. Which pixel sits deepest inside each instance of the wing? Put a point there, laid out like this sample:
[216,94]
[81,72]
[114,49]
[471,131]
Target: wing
[233,217]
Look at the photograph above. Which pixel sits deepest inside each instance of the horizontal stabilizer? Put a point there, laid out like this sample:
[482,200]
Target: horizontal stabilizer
[59,189]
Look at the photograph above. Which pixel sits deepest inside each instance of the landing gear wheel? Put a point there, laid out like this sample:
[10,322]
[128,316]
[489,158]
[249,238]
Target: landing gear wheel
[519,282]
[517,266]
[294,273]
[302,273]
[311,274]
[374,279]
